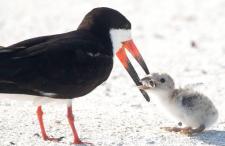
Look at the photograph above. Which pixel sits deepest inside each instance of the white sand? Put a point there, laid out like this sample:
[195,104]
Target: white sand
[116,113]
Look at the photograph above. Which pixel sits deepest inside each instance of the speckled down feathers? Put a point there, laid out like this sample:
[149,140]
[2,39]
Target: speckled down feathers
[197,109]
[184,105]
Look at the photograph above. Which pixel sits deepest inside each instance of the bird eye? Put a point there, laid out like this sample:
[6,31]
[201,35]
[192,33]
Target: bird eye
[162,80]
[127,26]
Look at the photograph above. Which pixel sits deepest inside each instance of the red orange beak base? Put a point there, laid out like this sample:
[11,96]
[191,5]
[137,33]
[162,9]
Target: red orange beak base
[121,54]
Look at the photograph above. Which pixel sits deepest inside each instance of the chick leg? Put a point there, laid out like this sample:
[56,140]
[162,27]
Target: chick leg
[199,129]
[186,130]
[171,129]
[189,131]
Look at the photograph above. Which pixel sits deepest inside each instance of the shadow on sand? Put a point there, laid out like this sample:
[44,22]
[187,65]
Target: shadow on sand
[212,137]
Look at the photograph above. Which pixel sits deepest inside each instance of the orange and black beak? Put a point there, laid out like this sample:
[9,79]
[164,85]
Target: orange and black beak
[121,54]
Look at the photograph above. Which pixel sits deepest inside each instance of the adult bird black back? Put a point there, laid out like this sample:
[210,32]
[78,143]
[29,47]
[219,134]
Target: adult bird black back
[69,65]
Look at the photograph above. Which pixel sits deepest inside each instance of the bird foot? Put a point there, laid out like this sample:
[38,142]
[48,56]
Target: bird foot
[186,131]
[189,131]
[82,143]
[53,139]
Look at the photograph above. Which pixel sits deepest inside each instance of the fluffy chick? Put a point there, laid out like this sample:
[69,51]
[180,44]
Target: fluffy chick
[188,107]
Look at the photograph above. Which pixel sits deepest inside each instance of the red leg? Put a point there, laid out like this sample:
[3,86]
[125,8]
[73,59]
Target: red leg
[71,122]
[41,123]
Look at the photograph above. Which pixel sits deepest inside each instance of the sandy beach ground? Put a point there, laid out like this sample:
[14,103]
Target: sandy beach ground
[183,38]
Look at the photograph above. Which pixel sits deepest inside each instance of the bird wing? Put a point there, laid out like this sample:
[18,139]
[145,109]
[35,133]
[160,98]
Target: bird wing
[35,41]
[61,60]
[6,52]
[189,101]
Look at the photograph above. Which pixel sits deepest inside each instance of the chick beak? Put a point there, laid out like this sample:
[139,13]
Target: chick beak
[147,85]
[121,54]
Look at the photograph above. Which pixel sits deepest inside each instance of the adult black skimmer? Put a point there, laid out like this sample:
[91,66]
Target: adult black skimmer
[69,65]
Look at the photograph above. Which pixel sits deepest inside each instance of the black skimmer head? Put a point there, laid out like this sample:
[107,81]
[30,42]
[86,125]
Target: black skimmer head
[114,30]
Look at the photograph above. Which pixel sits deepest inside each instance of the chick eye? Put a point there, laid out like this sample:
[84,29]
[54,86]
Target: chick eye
[162,80]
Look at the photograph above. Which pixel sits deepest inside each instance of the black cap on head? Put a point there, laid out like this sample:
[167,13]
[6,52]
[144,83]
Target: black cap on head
[104,18]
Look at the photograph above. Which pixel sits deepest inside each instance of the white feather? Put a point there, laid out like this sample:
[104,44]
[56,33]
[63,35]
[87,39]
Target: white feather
[118,36]
[36,100]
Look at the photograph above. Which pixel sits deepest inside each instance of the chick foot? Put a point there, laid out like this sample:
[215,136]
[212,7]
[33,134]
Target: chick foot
[186,130]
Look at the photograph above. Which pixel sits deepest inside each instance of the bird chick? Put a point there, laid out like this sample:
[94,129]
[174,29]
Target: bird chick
[186,106]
